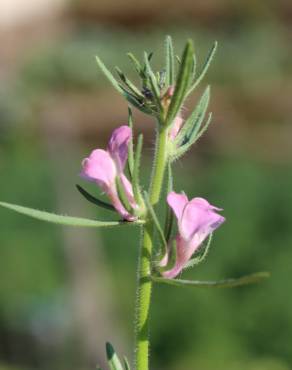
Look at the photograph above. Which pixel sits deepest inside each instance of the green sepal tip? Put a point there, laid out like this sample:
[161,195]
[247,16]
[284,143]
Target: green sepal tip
[112,358]
[94,200]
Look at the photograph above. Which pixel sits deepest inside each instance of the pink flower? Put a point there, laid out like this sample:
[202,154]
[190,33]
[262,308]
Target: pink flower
[196,220]
[104,166]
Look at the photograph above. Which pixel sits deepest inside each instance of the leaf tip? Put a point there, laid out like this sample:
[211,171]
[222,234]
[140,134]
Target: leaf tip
[109,350]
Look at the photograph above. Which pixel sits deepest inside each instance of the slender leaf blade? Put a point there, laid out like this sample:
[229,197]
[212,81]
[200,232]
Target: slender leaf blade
[153,81]
[129,84]
[226,283]
[129,97]
[108,75]
[204,68]
[94,200]
[113,360]
[63,220]
[169,64]
[193,124]
[203,130]
[135,102]
[136,64]
[182,83]
[126,363]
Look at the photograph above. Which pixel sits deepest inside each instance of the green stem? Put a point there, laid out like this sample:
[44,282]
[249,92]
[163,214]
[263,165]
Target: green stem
[159,166]
[144,270]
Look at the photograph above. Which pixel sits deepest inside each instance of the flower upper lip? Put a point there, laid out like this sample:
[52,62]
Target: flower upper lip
[196,219]
[104,166]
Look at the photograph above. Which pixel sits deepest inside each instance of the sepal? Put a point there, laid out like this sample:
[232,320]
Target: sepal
[203,252]
[123,196]
[95,200]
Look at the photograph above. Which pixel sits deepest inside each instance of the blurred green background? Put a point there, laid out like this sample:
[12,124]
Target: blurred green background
[64,291]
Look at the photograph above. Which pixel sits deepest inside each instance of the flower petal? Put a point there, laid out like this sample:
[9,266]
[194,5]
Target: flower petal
[177,202]
[199,219]
[100,168]
[181,259]
[118,145]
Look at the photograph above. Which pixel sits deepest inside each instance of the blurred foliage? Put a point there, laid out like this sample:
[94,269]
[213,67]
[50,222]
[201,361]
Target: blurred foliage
[243,55]
[247,328]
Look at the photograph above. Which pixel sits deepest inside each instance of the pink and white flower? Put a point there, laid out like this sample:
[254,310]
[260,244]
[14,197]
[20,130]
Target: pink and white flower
[196,220]
[104,166]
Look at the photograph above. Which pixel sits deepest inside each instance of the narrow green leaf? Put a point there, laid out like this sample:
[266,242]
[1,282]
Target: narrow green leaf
[94,200]
[161,79]
[109,75]
[169,214]
[150,55]
[126,363]
[136,64]
[156,222]
[204,68]
[113,360]
[184,148]
[136,172]
[64,220]
[131,144]
[169,65]
[193,131]
[129,84]
[135,102]
[193,124]
[123,196]
[227,283]
[130,97]
[153,81]
[140,106]
[182,83]
[204,129]
[194,68]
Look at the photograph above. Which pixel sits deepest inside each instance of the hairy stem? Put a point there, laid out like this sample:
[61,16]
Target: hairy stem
[144,269]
